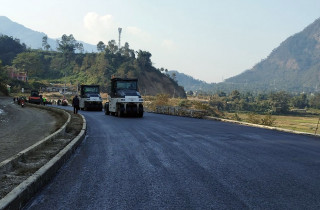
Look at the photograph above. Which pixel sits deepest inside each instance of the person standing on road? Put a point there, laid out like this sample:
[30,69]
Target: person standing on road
[44,100]
[75,104]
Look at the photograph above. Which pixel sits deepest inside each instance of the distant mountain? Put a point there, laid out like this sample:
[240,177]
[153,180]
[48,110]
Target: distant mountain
[190,83]
[31,38]
[294,66]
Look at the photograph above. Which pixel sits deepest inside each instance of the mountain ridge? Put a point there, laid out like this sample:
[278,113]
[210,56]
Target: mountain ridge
[292,66]
[32,38]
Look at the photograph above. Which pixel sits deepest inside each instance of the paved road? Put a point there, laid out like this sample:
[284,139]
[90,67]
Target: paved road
[168,162]
[22,127]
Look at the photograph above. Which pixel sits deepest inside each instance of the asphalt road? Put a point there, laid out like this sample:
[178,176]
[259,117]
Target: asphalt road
[168,162]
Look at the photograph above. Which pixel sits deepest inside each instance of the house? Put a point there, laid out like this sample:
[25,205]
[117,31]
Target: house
[14,74]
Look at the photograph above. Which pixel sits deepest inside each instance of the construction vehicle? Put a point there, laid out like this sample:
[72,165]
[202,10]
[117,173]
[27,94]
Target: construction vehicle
[90,98]
[34,97]
[124,98]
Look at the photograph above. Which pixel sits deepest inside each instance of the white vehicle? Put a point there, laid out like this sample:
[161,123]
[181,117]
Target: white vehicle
[124,98]
[90,98]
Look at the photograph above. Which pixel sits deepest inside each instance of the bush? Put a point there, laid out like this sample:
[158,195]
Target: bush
[268,120]
[3,89]
[201,106]
[236,117]
[184,104]
[253,118]
[162,100]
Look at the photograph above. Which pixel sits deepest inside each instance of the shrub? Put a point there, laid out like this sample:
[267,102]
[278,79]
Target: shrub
[3,89]
[268,120]
[253,118]
[162,100]
[236,117]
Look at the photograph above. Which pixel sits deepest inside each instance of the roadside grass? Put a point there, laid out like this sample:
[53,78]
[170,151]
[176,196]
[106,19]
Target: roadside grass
[303,123]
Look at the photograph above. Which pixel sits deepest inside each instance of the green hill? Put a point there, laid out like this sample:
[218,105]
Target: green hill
[294,66]
[189,83]
[64,65]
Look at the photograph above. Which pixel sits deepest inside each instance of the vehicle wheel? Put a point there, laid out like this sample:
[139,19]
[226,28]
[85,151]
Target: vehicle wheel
[120,113]
[106,110]
[140,114]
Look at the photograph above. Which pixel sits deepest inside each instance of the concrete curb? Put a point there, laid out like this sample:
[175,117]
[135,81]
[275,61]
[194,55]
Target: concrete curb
[21,194]
[261,126]
[7,164]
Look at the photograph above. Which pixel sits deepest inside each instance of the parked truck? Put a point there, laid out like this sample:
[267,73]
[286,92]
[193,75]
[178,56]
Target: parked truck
[124,98]
[90,98]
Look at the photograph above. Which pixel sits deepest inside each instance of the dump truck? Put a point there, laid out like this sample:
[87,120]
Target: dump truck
[34,97]
[90,98]
[124,98]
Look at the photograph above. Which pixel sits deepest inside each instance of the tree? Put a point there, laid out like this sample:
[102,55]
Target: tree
[80,47]
[112,47]
[3,74]
[29,62]
[173,76]
[9,48]
[280,101]
[68,44]
[300,101]
[235,95]
[126,51]
[315,101]
[144,59]
[101,46]
[45,44]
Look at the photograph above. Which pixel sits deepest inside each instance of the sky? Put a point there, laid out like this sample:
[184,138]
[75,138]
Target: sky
[210,40]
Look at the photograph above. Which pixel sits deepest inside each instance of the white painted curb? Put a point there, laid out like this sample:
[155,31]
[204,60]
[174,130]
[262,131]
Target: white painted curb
[21,194]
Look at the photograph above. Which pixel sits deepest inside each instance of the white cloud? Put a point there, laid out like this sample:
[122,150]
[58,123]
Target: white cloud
[138,34]
[92,21]
[134,31]
[168,44]
[99,27]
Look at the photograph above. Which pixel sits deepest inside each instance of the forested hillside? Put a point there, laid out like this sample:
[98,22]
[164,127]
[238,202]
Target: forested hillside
[189,83]
[294,66]
[65,65]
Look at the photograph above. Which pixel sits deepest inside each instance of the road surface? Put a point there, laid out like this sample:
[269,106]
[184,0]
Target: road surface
[22,127]
[169,162]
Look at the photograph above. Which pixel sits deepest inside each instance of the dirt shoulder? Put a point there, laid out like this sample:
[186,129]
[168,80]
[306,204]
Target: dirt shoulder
[23,127]
[24,168]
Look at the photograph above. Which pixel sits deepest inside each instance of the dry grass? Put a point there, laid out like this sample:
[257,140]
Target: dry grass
[304,123]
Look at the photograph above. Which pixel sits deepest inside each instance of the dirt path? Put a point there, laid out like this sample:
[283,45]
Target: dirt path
[22,127]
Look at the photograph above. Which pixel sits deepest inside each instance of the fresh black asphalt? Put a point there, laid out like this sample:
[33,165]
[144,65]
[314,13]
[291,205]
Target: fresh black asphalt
[169,162]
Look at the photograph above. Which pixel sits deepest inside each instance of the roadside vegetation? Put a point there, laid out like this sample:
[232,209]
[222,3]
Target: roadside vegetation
[71,65]
[298,112]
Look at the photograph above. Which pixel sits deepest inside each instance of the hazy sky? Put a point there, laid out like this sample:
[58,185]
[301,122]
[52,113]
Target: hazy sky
[210,40]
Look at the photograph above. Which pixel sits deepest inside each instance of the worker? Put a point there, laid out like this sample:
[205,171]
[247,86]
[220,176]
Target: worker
[75,104]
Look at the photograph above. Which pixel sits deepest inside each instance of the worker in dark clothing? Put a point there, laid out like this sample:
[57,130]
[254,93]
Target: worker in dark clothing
[75,104]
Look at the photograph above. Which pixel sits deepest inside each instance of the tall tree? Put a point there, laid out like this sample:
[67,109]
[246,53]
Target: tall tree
[101,46]
[45,44]
[126,51]
[112,47]
[68,44]
[144,59]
